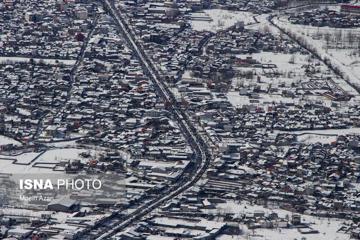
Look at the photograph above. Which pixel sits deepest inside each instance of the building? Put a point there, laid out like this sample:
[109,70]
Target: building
[9,3]
[351,9]
[81,13]
[298,3]
[63,205]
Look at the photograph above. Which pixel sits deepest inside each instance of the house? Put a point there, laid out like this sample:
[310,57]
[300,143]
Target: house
[350,9]
[63,205]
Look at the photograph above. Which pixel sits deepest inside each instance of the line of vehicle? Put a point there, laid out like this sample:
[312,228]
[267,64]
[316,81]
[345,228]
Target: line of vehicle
[200,147]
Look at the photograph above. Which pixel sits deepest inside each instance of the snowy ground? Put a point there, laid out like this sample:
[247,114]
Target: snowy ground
[219,19]
[8,167]
[6,140]
[62,144]
[325,136]
[290,73]
[333,132]
[343,58]
[58,155]
[314,138]
[53,156]
[327,227]
[264,99]
[349,64]
[281,59]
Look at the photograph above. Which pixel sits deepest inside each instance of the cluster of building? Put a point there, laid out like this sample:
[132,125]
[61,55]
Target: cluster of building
[168,38]
[29,91]
[263,156]
[350,9]
[272,114]
[45,29]
[240,41]
[47,224]
[326,17]
[308,178]
[267,6]
[106,100]
[116,105]
[102,99]
[225,55]
[255,6]
[199,214]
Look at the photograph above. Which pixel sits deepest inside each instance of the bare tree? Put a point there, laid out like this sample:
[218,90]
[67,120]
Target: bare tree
[338,37]
[292,59]
[350,37]
[327,38]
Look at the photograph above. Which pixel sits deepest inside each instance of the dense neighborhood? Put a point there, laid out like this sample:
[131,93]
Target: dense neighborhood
[202,119]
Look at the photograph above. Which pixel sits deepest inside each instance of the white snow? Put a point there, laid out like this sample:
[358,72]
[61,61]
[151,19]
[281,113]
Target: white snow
[330,132]
[57,155]
[53,156]
[6,140]
[342,59]
[313,138]
[219,19]
[327,227]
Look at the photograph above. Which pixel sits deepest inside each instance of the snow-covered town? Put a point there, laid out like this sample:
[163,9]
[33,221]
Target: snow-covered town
[197,119]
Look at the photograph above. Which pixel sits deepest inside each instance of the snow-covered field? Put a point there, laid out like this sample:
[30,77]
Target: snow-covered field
[343,58]
[325,136]
[8,167]
[6,140]
[53,156]
[327,227]
[314,138]
[58,155]
[219,19]
[291,70]
[282,60]
[332,132]
[264,99]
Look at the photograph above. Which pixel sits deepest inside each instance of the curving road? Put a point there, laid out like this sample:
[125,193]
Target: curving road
[202,154]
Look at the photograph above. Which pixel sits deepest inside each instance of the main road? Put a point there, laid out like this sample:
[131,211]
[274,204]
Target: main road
[202,154]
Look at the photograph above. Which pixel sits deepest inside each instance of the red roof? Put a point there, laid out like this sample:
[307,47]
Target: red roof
[350,6]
